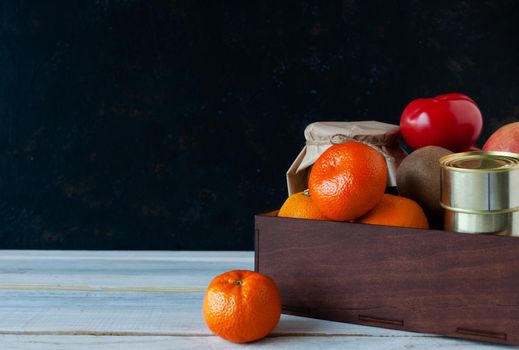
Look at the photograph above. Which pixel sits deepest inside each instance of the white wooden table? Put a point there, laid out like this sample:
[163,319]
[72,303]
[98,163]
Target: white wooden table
[152,300]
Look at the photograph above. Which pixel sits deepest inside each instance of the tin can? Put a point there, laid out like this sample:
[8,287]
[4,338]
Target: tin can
[480,192]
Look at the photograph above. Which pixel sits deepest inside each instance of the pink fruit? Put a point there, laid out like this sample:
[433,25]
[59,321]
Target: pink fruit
[506,139]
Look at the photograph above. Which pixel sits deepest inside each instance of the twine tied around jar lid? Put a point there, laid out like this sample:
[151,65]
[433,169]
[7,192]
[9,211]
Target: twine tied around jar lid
[376,144]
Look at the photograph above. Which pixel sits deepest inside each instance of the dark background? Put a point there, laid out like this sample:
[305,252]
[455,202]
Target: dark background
[168,124]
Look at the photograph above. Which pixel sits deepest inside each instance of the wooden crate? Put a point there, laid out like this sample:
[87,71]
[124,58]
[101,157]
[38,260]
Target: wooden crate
[431,281]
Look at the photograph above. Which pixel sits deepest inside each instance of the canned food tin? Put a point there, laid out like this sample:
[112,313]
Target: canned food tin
[480,192]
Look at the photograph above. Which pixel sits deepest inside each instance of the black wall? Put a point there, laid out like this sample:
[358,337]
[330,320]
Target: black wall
[167,124]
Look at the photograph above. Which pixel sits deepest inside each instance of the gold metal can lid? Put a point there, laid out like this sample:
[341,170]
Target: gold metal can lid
[481,161]
[480,182]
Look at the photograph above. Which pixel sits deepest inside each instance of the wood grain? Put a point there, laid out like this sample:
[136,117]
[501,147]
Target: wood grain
[440,282]
[136,313]
[99,269]
[78,342]
[151,300]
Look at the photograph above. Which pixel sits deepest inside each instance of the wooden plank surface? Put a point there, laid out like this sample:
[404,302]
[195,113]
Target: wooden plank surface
[151,300]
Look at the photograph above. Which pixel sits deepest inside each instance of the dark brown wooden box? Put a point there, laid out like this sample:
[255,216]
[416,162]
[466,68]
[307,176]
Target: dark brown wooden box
[454,284]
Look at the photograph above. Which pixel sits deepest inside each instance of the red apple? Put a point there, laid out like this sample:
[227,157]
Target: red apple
[506,139]
[451,121]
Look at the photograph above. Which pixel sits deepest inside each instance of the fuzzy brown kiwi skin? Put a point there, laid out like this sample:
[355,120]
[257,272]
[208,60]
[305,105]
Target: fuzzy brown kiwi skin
[418,178]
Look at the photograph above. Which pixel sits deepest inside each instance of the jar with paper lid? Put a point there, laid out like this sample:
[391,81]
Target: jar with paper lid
[322,135]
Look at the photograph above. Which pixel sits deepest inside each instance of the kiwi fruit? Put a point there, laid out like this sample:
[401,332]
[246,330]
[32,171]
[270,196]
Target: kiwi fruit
[418,178]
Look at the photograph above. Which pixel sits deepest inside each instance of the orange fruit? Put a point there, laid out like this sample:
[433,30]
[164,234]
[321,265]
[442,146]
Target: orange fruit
[300,205]
[396,211]
[348,180]
[242,306]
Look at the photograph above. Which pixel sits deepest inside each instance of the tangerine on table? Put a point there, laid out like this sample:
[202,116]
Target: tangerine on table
[242,306]
[300,205]
[396,211]
[348,180]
